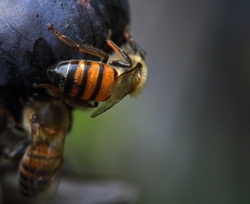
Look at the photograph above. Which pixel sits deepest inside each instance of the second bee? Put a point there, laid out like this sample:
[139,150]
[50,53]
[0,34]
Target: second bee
[47,122]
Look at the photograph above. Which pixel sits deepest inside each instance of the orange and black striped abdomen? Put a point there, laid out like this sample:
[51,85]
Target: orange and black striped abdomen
[86,80]
[38,167]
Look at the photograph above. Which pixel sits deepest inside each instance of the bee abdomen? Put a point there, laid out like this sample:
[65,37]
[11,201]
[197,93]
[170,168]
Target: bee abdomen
[86,80]
[37,169]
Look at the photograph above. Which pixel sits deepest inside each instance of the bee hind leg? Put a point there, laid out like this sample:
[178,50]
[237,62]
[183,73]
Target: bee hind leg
[16,152]
[73,102]
[118,50]
[50,89]
[85,48]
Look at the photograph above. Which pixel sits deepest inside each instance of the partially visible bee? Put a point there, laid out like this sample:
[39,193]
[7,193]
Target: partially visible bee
[47,121]
[83,82]
[12,137]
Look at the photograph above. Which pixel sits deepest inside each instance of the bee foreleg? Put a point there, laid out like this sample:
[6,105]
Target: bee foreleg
[128,61]
[34,125]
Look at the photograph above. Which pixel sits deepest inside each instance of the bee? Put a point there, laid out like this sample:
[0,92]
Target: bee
[85,82]
[47,122]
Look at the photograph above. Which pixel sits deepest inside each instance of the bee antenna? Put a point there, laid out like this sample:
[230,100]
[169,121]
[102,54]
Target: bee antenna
[133,45]
[130,41]
[138,48]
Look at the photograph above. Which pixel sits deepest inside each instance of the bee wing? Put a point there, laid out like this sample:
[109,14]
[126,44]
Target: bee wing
[104,107]
[50,193]
[121,88]
[40,169]
[52,177]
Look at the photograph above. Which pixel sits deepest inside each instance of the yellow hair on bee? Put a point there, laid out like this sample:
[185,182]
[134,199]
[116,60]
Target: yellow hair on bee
[141,77]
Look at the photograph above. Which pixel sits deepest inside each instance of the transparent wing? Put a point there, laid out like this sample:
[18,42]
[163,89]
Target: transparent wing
[52,188]
[51,168]
[121,88]
[40,169]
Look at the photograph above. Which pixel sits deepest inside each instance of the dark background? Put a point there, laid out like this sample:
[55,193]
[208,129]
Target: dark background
[186,138]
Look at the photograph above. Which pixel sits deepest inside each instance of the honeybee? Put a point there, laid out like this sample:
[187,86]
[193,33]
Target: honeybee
[47,122]
[85,82]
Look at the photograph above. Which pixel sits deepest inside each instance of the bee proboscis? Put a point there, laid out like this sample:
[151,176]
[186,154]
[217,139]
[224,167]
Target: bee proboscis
[83,82]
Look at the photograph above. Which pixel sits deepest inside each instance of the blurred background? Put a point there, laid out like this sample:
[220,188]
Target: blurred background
[186,137]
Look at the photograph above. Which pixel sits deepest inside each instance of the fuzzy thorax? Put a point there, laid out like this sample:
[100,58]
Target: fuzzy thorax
[141,74]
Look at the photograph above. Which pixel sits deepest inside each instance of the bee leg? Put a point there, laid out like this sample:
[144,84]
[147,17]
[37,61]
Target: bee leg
[80,47]
[73,102]
[16,152]
[128,61]
[50,89]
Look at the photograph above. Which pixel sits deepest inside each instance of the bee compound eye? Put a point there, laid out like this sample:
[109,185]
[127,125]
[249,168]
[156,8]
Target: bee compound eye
[34,118]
